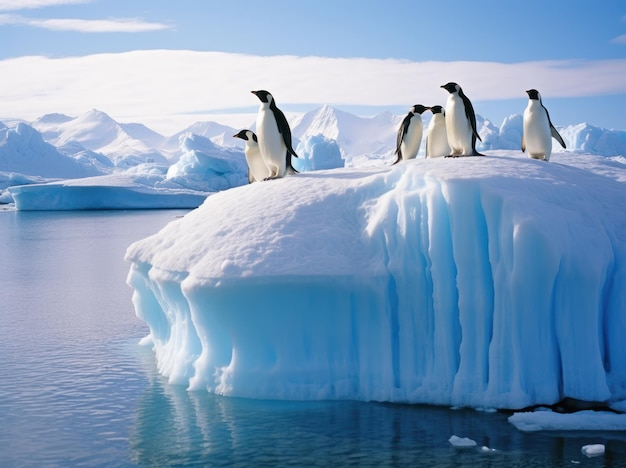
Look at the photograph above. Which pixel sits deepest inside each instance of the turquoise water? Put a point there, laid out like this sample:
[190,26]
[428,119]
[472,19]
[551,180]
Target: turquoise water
[76,389]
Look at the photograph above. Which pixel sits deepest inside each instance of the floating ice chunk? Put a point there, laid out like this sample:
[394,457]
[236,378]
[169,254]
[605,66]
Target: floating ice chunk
[580,421]
[593,450]
[457,441]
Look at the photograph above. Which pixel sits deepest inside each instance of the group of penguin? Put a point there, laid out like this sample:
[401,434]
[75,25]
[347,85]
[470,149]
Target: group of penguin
[451,133]
[268,153]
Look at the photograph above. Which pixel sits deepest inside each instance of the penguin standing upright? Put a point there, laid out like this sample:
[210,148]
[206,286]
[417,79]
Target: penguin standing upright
[410,134]
[436,135]
[274,136]
[257,170]
[538,129]
[460,122]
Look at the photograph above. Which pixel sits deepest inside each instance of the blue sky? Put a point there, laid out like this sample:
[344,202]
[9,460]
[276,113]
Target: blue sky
[362,56]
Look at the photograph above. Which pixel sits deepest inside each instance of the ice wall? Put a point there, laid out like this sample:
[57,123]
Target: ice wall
[485,282]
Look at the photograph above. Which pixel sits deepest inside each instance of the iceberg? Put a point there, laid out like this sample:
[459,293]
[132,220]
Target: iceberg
[494,282]
[317,153]
[202,169]
[117,191]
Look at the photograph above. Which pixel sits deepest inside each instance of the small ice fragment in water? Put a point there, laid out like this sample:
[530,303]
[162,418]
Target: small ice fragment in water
[593,450]
[461,441]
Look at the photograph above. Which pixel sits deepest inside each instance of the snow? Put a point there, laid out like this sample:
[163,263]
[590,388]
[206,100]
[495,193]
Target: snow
[492,282]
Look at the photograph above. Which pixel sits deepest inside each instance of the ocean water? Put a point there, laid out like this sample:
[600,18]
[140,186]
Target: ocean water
[76,389]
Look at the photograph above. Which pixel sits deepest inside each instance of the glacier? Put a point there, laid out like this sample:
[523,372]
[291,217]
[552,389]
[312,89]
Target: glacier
[488,282]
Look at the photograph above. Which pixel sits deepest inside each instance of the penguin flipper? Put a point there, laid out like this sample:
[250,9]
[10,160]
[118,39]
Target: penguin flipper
[250,177]
[470,114]
[404,127]
[283,128]
[523,144]
[398,157]
[557,136]
[290,169]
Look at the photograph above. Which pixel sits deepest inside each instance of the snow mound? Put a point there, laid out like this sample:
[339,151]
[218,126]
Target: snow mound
[492,282]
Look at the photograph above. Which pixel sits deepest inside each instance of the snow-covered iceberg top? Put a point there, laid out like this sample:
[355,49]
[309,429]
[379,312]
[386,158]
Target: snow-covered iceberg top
[488,282]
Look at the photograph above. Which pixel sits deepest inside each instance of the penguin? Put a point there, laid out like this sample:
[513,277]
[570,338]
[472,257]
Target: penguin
[460,122]
[274,136]
[538,129]
[257,171]
[436,136]
[410,134]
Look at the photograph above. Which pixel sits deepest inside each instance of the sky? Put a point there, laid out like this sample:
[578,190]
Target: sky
[169,64]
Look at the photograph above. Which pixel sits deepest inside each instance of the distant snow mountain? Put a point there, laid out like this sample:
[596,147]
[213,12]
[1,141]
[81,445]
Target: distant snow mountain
[95,143]
[221,135]
[355,135]
[125,144]
[24,151]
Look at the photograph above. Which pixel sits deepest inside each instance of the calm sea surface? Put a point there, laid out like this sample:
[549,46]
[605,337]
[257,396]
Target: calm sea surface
[77,390]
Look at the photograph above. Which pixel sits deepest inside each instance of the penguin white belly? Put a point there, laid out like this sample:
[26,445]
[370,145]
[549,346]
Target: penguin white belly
[410,145]
[257,166]
[537,136]
[437,137]
[271,144]
[458,128]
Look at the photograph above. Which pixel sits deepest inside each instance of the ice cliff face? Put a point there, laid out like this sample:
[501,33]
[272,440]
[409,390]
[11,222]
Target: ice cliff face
[486,282]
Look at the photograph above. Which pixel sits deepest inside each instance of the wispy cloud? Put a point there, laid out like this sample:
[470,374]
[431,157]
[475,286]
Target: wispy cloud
[163,84]
[619,39]
[126,25]
[14,5]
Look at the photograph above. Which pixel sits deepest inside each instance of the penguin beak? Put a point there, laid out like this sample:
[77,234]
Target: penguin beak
[253,92]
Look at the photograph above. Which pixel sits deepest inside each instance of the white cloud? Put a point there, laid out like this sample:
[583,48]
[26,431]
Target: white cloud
[619,39]
[146,86]
[13,5]
[88,26]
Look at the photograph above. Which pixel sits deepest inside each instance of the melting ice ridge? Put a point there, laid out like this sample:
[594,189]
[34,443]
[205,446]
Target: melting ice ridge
[487,282]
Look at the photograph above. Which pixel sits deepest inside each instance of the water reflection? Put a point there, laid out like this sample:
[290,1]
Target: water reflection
[176,427]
